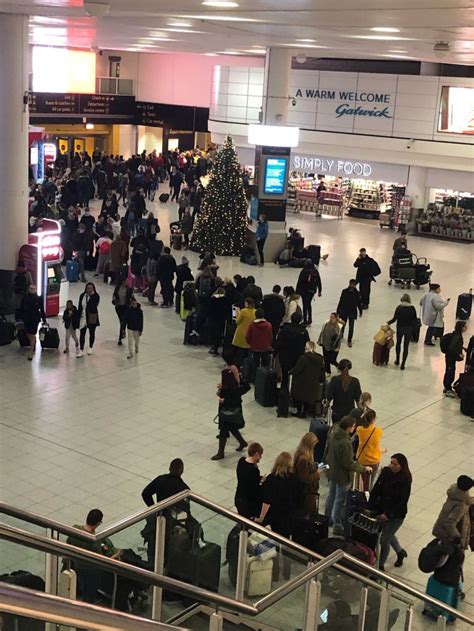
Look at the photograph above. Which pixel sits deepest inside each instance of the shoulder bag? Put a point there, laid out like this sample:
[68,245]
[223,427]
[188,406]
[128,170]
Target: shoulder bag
[365,444]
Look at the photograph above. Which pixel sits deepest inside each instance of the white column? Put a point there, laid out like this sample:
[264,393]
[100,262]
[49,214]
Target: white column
[416,187]
[13,139]
[277,76]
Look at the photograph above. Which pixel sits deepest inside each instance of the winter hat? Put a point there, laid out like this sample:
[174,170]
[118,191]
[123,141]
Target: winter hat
[464,483]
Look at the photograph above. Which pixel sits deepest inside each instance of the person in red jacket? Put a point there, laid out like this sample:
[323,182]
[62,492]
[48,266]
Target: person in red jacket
[260,339]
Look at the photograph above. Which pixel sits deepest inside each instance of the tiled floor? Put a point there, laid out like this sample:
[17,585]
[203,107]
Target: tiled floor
[76,434]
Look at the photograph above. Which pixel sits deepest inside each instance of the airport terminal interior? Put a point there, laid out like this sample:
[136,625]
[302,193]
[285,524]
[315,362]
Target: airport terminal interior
[351,125]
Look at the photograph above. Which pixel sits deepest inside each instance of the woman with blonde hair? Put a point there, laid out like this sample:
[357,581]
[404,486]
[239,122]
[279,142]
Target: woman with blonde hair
[307,473]
[369,452]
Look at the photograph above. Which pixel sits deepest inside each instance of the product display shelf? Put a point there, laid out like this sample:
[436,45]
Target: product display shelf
[331,202]
[365,200]
[447,222]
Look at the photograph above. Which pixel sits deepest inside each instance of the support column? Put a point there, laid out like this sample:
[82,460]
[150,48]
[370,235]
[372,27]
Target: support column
[416,187]
[277,78]
[14,146]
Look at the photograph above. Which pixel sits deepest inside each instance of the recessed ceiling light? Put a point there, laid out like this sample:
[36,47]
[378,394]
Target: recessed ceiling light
[229,52]
[180,24]
[309,41]
[388,38]
[397,50]
[221,4]
[181,30]
[385,29]
[254,51]
[258,46]
[210,54]
[222,18]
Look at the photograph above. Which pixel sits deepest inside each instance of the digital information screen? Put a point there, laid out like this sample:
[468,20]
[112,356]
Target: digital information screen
[275,174]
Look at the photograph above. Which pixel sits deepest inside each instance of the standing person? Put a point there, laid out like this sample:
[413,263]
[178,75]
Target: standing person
[369,453]
[259,337]
[453,523]
[261,235]
[292,303]
[400,241]
[71,324]
[134,323]
[309,283]
[166,485]
[363,404]
[230,415]
[243,320]
[290,345]
[342,466]
[186,226]
[251,290]
[121,300]
[248,494]
[308,380]
[367,270]
[217,317]
[452,347]
[151,274]
[406,318]
[274,308]
[80,243]
[89,317]
[307,474]
[183,275]
[32,313]
[330,340]
[21,282]
[103,247]
[432,313]
[350,304]
[389,498]
[344,391]
[165,274]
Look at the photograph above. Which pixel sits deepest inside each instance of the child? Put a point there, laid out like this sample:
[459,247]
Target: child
[134,323]
[71,324]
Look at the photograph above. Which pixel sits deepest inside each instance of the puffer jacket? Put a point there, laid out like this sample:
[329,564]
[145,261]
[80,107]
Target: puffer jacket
[453,521]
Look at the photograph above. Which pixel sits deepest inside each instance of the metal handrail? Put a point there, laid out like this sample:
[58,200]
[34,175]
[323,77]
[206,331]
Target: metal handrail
[76,614]
[220,510]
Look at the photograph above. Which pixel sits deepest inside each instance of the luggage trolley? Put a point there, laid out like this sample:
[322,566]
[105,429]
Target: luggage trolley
[410,269]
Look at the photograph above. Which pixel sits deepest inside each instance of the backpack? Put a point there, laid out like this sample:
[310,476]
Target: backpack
[446,342]
[205,287]
[104,247]
[20,283]
[433,556]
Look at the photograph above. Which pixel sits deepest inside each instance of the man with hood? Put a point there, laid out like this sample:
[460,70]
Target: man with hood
[453,522]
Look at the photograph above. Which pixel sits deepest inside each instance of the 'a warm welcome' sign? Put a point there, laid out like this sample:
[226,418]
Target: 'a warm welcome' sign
[351,103]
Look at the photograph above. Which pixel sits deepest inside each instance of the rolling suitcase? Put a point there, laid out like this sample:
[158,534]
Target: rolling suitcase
[23,338]
[464,306]
[49,337]
[446,593]
[283,407]
[308,532]
[7,331]
[416,331]
[248,369]
[314,253]
[163,198]
[177,241]
[190,332]
[199,565]
[320,428]
[356,503]
[380,355]
[266,390]
[259,576]
[72,271]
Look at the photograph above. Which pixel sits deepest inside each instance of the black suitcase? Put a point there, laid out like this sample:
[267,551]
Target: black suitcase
[464,306]
[314,253]
[7,331]
[232,553]
[308,532]
[320,428]
[200,565]
[356,503]
[49,337]
[248,369]
[190,326]
[283,407]
[416,331]
[467,401]
[23,338]
[266,390]
[164,197]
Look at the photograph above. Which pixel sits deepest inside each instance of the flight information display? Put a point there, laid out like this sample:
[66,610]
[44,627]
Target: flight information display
[275,176]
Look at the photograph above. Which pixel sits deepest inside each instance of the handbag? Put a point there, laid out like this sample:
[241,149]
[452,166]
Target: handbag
[231,416]
[92,318]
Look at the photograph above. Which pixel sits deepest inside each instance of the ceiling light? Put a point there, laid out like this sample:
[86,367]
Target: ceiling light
[229,52]
[221,4]
[393,38]
[258,46]
[441,49]
[301,58]
[254,51]
[222,18]
[397,50]
[96,9]
[385,29]
[180,24]
[210,54]
[308,41]
[181,30]
[89,125]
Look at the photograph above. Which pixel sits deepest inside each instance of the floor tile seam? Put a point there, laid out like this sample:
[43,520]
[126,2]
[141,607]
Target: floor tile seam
[71,449]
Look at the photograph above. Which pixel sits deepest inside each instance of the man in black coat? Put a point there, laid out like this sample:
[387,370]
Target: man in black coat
[350,304]
[253,291]
[166,270]
[290,345]
[367,270]
[309,283]
[274,307]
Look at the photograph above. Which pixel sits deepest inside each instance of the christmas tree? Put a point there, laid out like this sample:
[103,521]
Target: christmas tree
[222,222]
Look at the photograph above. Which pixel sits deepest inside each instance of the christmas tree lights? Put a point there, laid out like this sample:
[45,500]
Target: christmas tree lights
[222,222]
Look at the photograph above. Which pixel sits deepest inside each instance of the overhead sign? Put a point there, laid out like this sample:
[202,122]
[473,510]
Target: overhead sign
[350,168]
[348,102]
[90,105]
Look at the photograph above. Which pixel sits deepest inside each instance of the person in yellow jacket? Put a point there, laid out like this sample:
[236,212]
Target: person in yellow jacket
[243,320]
[369,451]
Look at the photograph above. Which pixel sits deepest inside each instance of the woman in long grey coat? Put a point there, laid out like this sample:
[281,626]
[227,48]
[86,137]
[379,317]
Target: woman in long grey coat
[432,313]
[453,521]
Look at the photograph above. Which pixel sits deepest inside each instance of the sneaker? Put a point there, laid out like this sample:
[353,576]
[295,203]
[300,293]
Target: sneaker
[449,393]
[89,351]
[79,354]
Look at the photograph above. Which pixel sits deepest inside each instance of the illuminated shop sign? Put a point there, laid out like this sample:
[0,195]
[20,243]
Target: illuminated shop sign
[331,166]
